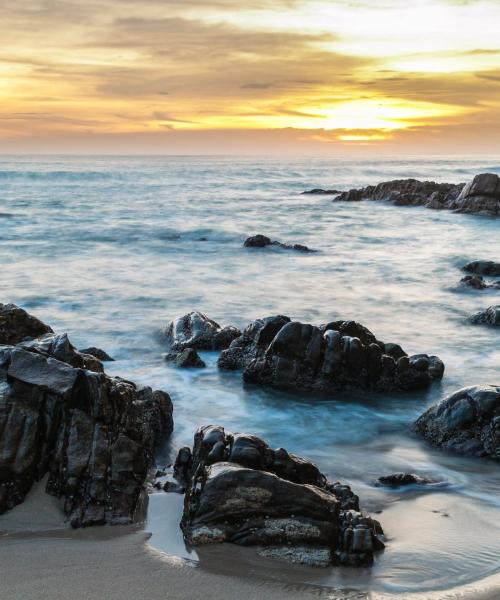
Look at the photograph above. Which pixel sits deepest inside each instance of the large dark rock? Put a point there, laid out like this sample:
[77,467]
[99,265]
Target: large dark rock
[17,325]
[261,241]
[396,480]
[489,316]
[195,330]
[341,355]
[240,490]
[483,267]
[481,195]
[94,435]
[97,353]
[467,422]
[187,358]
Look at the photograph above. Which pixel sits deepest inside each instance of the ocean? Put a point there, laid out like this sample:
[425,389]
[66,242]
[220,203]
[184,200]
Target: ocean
[109,249]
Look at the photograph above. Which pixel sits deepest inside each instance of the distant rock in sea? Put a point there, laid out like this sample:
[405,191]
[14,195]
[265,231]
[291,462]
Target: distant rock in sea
[261,241]
[489,316]
[240,490]
[322,192]
[480,196]
[483,267]
[196,331]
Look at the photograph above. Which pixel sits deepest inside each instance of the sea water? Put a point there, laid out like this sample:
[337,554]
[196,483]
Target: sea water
[110,249]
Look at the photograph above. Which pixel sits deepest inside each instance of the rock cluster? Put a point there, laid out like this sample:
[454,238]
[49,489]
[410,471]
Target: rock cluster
[240,490]
[489,316]
[467,422]
[195,330]
[341,355]
[92,434]
[261,241]
[478,282]
[481,195]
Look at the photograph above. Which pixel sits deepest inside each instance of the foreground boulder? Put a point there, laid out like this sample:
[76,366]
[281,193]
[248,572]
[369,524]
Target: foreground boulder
[483,267]
[92,434]
[195,330]
[467,422]
[481,195]
[341,355]
[261,241]
[240,490]
[17,325]
[489,316]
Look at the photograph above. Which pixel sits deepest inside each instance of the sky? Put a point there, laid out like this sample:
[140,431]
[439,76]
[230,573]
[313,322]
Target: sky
[253,77]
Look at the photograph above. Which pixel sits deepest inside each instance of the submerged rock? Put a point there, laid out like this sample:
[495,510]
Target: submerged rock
[467,422]
[241,491]
[483,267]
[477,282]
[403,479]
[94,435]
[17,325]
[261,241]
[187,358]
[489,316]
[195,330]
[322,192]
[481,195]
[341,355]
[98,353]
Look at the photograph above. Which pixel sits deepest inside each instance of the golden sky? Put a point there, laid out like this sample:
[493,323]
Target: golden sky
[202,76]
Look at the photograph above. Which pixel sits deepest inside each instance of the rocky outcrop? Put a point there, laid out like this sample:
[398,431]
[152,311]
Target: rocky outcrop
[261,241]
[341,355]
[98,353]
[322,192]
[403,479]
[92,434]
[483,267]
[489,316]
[239,490]
[481,195]
[187,358]
[467,422]
[17,325]
[195,330]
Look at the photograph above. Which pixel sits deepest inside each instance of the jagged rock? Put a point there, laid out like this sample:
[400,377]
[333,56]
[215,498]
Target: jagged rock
[340,355]
[474,281]
[483,267]
[261,241]
[481,195]
[187,358]
[94,435]
[17,325]
[241,491]
[322,192]
[467,422]
[489,316]
[195,330]
[403,479]
[98,353]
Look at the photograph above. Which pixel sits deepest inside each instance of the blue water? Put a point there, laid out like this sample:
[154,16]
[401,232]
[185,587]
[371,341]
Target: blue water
[110,249]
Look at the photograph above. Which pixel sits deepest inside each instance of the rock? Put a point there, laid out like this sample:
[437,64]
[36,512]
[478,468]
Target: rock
[195,330]
[241,491]
[17,325]
[97,353]
[474,281]
[403,479]
[322,192]
[483,267]
[489,316]
[481,195]
[261,241]
[94,435]
[187,358]
[467,422]
[341,355]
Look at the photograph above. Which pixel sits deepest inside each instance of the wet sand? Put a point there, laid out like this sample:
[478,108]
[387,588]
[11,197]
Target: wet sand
[41,558]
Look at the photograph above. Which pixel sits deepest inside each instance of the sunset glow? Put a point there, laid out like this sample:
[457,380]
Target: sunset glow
[383,73]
